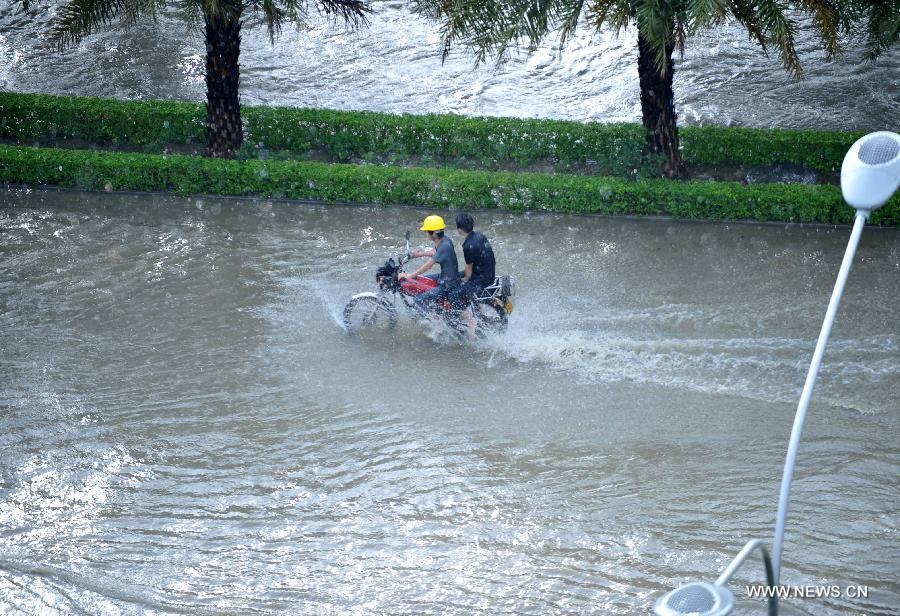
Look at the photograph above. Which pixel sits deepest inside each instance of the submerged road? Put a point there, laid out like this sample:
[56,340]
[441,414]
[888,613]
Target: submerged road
[185,426]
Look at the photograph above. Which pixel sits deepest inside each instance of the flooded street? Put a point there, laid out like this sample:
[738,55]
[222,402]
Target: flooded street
[185,426]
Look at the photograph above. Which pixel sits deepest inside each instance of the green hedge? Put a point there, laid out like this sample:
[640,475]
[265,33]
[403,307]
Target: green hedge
[138,123]
[345,135]
[435,188]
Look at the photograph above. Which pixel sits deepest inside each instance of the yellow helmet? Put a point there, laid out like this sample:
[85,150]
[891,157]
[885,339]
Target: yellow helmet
[433,223]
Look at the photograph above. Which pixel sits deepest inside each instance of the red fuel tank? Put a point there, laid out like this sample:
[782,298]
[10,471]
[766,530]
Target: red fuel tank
[417,285]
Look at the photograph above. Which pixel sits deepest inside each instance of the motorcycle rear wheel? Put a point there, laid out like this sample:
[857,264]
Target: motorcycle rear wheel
[492,319]
[368,313]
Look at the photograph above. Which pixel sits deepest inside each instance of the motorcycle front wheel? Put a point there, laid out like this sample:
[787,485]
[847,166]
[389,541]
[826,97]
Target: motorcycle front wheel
[368,313]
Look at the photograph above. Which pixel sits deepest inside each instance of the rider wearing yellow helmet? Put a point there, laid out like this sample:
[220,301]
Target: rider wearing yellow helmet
[444,254]
[433,223]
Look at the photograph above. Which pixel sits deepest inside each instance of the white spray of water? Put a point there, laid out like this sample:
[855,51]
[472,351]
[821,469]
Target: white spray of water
[609,346]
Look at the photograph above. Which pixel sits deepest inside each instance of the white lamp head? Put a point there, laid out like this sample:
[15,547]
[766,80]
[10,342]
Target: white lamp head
[871,170]
[696,599]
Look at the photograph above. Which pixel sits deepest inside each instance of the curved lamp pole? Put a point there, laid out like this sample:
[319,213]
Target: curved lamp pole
[870,174]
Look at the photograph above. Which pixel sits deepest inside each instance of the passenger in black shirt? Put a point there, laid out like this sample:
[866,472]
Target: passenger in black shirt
[480,264]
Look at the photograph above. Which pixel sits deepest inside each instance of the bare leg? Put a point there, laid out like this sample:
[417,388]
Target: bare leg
[471,323]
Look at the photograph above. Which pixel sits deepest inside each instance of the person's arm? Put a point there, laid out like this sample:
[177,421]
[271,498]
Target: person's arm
[469,256]
[425,267]
[428,252]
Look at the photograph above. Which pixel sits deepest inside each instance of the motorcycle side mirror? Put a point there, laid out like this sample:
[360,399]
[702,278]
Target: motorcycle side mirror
[407,235]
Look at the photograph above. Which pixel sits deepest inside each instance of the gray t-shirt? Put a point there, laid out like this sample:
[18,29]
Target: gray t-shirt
[445,256]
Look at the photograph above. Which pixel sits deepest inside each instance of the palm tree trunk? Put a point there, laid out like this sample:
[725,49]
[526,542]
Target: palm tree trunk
[658,109]
[224,131]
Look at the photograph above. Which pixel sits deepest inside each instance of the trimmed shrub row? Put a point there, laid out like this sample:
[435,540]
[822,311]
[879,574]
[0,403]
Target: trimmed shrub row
[345,135]
[436,188]
[136,123]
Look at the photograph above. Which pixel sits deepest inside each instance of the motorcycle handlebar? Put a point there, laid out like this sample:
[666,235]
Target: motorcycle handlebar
[408,253]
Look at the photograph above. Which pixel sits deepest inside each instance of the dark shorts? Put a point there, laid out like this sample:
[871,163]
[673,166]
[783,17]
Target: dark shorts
[430,298]
[467,292]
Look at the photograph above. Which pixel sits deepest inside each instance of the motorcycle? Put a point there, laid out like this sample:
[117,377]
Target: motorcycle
[369,311]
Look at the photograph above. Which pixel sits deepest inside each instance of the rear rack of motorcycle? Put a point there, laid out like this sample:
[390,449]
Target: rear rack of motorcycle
[502,287]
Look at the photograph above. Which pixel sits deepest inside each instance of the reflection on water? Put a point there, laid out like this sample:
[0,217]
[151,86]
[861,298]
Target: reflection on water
[184,426]
[394,65]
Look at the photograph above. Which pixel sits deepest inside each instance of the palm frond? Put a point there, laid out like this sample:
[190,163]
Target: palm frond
[134,11]
[825,19]
[745,14]
[296,11]
[526,21]
[268,12]
[191,12]
[780,31]
[217,8]
[706,13]
[883,28]
[459,19]
[569,13]
[767,23]
[656,24]
[354,12]
[680,36]
[79,18]
[491,28]
[275,13]
[612,13]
